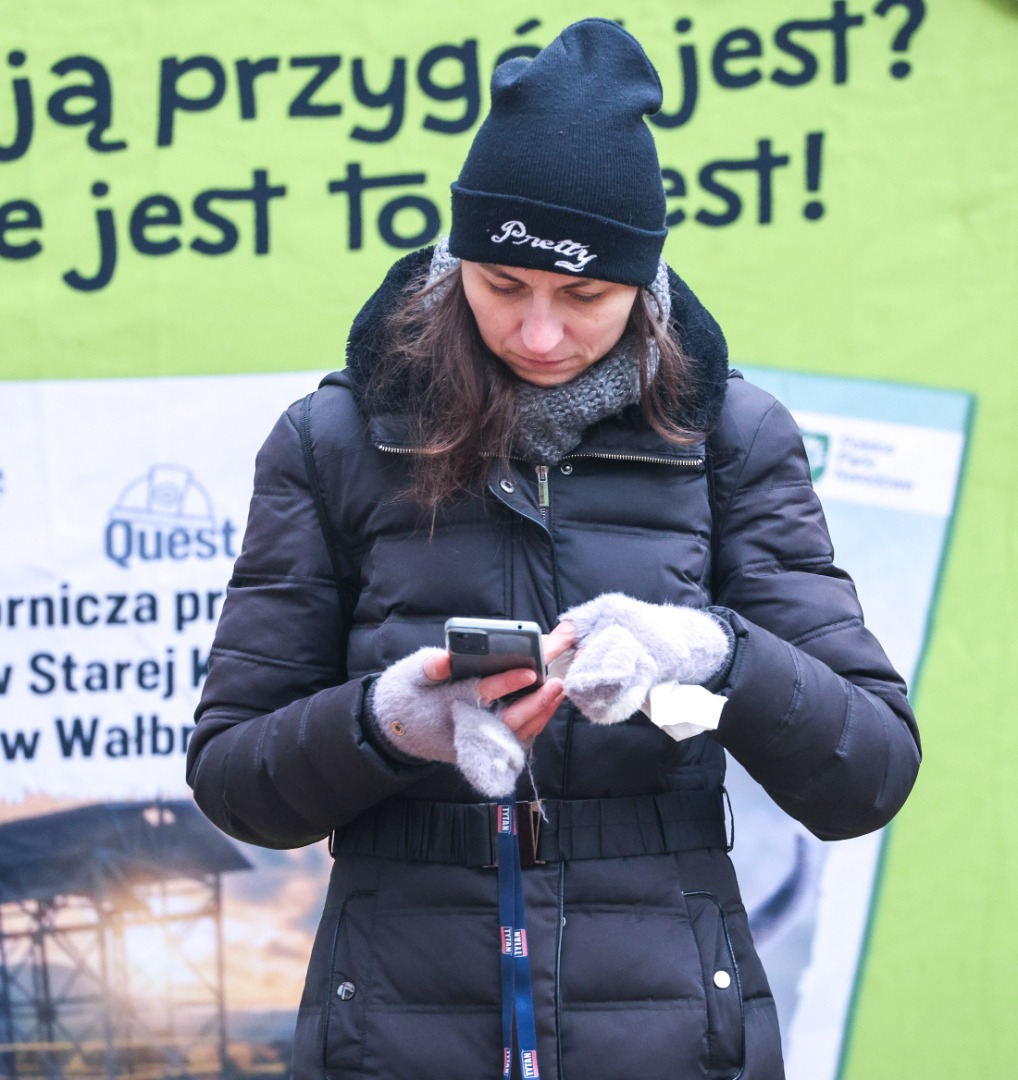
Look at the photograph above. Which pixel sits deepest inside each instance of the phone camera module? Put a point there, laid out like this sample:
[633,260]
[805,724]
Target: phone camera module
[473,644]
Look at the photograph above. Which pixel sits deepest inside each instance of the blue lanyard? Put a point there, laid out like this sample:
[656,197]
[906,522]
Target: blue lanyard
[517,990]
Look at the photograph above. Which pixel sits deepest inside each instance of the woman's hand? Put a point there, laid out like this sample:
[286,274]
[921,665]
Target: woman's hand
[419,711]
[629,646]
[527,716]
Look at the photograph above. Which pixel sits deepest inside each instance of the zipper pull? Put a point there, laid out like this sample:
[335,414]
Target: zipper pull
[543,493]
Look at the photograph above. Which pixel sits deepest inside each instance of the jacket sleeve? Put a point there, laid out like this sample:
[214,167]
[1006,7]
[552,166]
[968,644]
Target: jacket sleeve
[816,712]
[280,756]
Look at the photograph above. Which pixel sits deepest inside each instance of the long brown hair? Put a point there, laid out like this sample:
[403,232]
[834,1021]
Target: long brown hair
[462,397]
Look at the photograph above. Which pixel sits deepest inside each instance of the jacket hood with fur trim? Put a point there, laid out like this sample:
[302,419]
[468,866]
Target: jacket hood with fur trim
[697,330]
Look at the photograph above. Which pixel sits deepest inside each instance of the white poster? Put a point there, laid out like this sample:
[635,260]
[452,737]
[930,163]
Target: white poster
[886,462]
[122,508]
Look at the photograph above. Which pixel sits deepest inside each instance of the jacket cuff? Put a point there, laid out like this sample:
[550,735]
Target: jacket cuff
[723,617]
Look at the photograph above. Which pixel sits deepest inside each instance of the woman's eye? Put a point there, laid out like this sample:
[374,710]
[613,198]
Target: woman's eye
[503,290]
[585,298]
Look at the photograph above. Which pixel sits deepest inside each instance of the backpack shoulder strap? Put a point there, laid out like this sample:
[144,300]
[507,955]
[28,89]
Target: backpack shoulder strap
[708,460]
[711,448]
[343,570]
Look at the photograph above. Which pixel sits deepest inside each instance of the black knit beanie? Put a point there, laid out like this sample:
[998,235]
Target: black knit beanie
[563,174]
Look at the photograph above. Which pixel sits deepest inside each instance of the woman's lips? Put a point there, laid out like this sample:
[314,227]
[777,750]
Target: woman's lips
[540,360]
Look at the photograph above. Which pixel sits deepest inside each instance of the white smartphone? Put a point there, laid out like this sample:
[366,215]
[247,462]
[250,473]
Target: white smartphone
[479,647]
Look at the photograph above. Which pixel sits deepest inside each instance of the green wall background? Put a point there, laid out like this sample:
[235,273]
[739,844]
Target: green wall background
[910,275]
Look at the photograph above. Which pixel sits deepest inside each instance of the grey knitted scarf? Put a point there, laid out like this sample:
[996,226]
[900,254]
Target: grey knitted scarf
[551,420]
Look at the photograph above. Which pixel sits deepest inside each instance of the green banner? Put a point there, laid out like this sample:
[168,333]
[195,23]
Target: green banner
[192,189]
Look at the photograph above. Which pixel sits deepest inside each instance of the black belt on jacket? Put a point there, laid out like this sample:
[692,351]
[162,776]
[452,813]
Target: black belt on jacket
[463,834]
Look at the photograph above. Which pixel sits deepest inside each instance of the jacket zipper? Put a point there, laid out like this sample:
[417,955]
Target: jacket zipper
[543,491]
[648,459]
[544,488]
[601,455]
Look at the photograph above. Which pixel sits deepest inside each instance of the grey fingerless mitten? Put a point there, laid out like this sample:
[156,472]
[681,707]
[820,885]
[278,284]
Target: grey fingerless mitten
[434,721]
[626,647]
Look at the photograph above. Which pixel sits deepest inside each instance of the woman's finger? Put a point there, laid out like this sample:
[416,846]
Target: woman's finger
[438,667]
[561,638]
[527,717]
[533,727]
[493,687]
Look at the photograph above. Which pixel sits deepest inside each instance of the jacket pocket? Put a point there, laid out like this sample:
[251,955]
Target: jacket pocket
[349,985]
[726,1021]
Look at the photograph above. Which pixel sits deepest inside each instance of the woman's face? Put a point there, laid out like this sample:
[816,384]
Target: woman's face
[546,328]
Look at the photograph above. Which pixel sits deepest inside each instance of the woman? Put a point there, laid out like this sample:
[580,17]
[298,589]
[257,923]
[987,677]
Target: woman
[536,421]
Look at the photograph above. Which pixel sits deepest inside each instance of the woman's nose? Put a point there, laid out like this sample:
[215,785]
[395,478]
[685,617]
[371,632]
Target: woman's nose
[541,330]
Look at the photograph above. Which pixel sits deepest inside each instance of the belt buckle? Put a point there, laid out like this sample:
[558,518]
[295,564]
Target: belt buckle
[528,828]
[528,832]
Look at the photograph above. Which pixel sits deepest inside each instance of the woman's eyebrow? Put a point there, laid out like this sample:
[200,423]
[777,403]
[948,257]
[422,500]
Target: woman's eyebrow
[503,272]
[500,271]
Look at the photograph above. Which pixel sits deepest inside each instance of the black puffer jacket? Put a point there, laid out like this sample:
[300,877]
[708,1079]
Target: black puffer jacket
[634,907]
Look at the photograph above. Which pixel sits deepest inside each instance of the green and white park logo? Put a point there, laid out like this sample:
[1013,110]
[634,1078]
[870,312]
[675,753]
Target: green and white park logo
[817,448]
